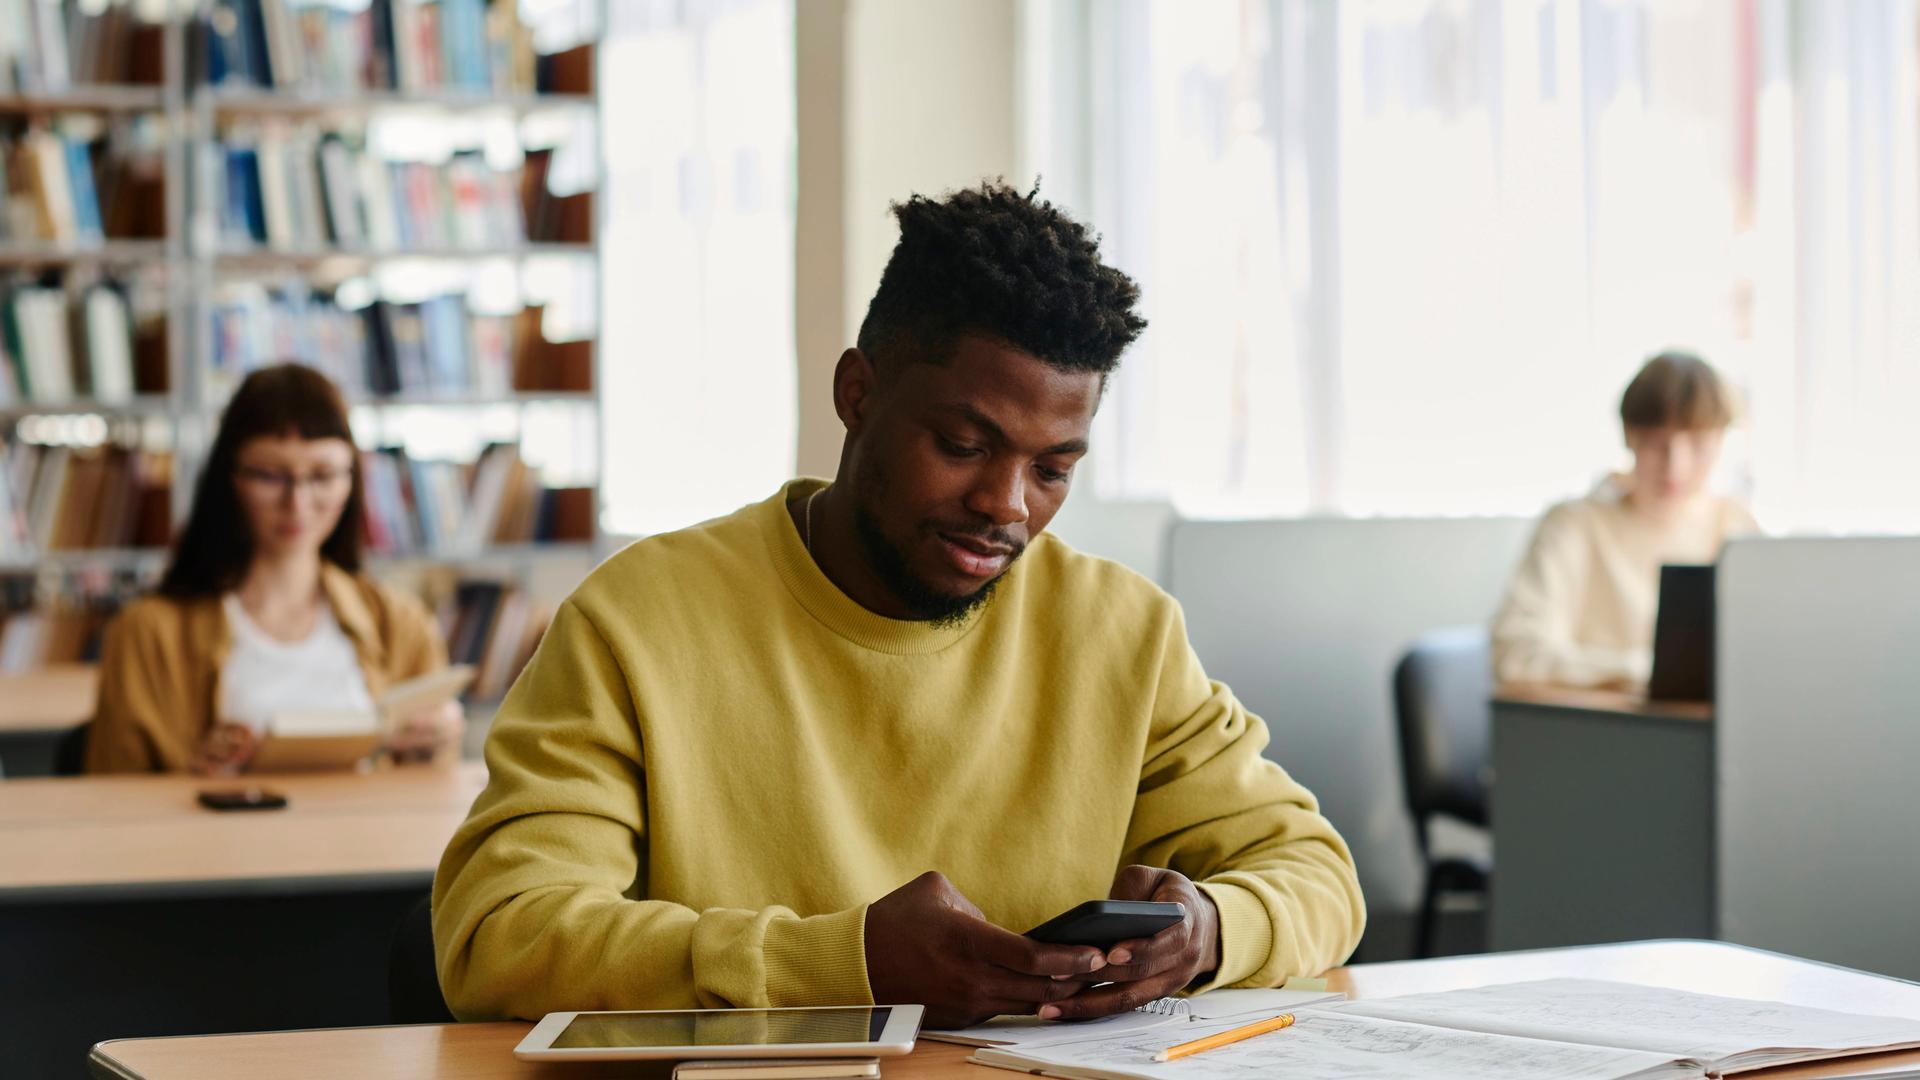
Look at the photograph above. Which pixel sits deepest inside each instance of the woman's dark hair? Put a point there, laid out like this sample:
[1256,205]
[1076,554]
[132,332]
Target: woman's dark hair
[213,552]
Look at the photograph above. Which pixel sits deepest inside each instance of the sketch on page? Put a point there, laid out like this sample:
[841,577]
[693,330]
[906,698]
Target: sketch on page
[1670,1022]
[1328,1044]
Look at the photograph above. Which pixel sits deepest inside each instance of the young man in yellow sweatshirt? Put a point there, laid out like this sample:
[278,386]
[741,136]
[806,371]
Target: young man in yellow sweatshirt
[845,745]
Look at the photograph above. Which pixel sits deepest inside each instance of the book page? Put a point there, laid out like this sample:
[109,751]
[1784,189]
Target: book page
[1230,1004]
[1024,1031]
[1671,1022]
[1328,1044]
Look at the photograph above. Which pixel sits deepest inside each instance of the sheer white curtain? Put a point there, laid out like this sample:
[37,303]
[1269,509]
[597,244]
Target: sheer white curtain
[1401,256]
[1835,372]
[698,126]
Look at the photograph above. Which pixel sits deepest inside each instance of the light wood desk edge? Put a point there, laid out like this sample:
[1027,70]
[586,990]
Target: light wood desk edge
[484,1050]
[1599,701]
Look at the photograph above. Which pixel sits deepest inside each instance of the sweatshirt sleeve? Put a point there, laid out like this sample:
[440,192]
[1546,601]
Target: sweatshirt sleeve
[1211,807]
[540,902]
[1533,634]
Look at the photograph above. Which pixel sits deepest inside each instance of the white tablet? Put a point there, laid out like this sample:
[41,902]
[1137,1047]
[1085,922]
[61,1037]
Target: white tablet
[826,1031]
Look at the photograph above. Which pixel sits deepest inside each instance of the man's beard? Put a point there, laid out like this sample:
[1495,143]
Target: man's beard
[923,602]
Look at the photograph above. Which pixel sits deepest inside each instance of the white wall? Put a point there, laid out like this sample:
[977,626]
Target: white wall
[820,236]
[925,103]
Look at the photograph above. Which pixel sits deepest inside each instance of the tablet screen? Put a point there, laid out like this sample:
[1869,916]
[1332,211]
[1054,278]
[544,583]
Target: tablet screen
[731,1027]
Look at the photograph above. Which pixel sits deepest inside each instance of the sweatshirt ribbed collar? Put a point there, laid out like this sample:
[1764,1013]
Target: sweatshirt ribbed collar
[823,599]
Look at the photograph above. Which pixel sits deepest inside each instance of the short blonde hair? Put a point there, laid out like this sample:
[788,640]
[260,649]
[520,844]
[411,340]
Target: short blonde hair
[1677,390]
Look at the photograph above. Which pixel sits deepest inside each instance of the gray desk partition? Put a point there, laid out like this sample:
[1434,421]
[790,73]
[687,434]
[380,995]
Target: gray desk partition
[1818,748]
[1602,824]
[1305,620]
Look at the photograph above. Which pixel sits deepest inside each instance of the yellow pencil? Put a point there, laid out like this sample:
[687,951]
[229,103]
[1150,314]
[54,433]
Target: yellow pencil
[1225,1038]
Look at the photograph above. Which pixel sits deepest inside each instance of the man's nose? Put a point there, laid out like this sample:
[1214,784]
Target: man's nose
[1001,496]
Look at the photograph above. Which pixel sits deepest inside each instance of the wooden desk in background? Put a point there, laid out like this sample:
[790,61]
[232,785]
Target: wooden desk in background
[1602,818]
[127,907]
[38,708]
[485,1051]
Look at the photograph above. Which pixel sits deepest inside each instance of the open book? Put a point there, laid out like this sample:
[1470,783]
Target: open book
[309,739]
[1557,1029]
[1240,1006]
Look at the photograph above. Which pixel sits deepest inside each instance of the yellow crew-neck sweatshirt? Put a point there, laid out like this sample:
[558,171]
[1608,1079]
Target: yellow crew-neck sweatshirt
[717,759]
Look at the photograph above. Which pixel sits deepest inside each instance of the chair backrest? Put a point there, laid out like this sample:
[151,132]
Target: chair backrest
[70,753]
[1441,689]
[1305,618]
[413,982]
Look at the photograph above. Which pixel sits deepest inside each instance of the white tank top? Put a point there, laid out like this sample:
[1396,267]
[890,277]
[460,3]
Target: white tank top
[264,675]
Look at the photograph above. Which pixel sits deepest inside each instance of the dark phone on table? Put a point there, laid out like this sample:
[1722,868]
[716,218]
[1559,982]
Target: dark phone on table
[243,799]
[1108,922]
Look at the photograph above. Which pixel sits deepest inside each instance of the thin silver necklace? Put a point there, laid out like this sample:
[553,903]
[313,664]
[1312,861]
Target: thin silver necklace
[807,534]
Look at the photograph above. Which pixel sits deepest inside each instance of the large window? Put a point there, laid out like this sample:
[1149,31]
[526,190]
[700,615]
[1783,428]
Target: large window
[1401,257]
[698,363]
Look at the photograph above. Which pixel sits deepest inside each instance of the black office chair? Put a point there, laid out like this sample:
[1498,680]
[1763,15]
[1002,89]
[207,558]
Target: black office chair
[70,753]
[1440,694]
[413,982]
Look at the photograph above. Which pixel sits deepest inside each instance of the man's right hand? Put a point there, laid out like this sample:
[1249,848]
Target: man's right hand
[928,945]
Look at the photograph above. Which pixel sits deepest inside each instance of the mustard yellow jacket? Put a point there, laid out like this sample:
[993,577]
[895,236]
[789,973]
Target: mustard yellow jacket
[160,666]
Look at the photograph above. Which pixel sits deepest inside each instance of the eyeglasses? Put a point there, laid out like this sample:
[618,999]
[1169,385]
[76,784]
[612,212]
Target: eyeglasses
[274,483]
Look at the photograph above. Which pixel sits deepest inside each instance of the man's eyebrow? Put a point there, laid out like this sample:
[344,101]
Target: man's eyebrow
[986,423]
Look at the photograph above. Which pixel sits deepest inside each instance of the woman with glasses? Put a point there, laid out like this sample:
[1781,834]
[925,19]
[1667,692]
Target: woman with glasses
[264,608]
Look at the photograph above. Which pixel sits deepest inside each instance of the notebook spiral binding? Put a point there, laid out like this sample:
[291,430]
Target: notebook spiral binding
[1167,1007]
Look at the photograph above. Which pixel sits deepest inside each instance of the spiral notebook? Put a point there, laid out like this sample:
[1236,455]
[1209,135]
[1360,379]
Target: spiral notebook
[1028,1032]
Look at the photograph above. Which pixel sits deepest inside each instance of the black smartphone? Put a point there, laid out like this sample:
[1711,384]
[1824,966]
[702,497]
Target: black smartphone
[1108,922]
[252,798]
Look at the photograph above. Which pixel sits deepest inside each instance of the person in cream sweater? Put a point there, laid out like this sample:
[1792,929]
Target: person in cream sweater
[846,745]
[1581,608]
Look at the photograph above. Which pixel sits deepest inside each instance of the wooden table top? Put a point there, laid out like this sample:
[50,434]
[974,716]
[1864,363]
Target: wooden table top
[485,1051]
[123,836]
[50,698]
[1591,700]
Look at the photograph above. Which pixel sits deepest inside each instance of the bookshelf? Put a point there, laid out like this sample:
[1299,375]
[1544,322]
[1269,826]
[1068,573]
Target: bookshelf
[242,191]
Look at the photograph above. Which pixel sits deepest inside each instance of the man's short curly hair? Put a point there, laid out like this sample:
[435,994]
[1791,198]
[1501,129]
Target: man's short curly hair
[990,261]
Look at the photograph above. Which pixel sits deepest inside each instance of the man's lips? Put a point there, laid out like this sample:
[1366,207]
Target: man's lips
[975,557]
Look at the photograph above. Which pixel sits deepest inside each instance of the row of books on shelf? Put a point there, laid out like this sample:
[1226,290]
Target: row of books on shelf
[58,621]
[437,347]
[82,183]
[47,46]
[295,187]
[86,338]
[480,46]
[33,638]
[449,509]
[495,626]
[60,498]
[408,45]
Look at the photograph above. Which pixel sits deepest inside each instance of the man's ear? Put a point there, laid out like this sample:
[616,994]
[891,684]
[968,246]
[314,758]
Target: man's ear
[855,383]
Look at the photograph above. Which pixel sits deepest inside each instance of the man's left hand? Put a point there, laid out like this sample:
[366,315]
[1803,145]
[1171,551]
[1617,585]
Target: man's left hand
[1144,969]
